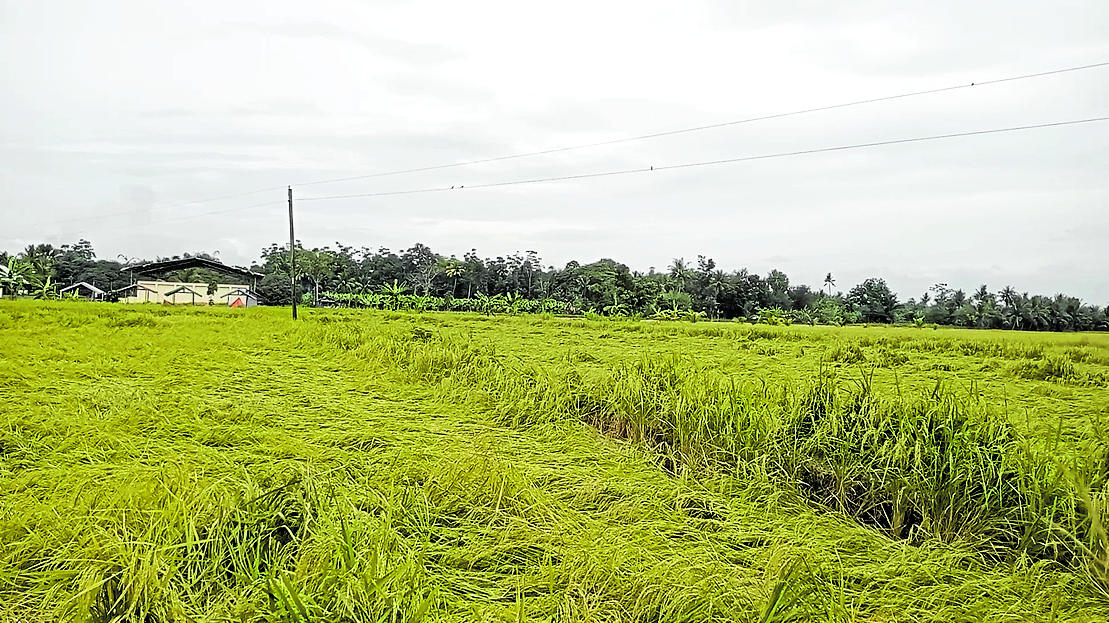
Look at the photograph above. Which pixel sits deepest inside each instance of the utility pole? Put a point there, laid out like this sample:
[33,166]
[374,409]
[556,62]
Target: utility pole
[292,257]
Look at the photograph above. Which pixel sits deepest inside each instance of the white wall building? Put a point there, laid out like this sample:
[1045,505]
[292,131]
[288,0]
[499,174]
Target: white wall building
[176,293]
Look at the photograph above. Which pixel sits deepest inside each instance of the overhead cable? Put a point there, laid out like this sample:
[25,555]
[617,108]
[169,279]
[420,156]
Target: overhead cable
[709,162]
[703,127]
[603,143]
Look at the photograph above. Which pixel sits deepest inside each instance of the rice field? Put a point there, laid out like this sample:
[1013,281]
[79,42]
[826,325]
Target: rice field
[203,464]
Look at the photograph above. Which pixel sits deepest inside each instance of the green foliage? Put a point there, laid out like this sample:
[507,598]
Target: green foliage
[481,304]
[774,317]
[45,289]
[677,314]
[804,316]
[392,293]
[16,277]
[873,301]
[830,311]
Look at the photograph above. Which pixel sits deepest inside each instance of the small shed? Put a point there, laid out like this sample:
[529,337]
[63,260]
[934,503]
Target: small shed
[136,291]
[85,289]
[242,297]
[171,296]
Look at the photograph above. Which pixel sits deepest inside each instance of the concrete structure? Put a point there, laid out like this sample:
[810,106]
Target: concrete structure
[175,293]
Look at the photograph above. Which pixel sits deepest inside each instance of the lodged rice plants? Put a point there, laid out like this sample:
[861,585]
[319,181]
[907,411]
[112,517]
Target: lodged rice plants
[931,467]
[230,465]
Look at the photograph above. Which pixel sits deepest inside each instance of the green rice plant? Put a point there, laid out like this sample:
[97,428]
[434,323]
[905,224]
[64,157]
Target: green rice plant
[133,321]
[766,350]
[846,352]
[1085,354]
[1058,369]
[891,358]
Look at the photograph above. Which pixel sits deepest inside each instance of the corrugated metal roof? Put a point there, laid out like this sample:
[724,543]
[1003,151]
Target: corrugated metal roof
[86,284]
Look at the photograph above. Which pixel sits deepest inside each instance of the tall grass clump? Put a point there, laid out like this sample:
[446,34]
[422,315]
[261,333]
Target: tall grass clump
[936,466]
[931,468]
[1058,369]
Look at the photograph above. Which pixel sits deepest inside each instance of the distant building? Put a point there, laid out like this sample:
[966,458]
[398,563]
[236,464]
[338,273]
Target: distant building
[177,293]
[156,290]
[242,297]
[85,289]
[135,291]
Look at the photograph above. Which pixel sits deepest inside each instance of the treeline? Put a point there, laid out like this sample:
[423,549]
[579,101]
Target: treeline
[422,279]
[419,278]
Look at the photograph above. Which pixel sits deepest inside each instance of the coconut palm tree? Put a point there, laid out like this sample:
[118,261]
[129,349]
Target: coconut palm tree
[829,282]
[680,272]
[43,258]
[453,269]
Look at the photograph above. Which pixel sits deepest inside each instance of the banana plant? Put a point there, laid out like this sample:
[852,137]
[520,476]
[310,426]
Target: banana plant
[514,301]
[16,277]
[46,289]
[393,292]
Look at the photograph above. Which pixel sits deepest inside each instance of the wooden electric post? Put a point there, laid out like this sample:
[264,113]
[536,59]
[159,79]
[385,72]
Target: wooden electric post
[292,257]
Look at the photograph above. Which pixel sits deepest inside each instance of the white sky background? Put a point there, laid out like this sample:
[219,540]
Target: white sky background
[128,106]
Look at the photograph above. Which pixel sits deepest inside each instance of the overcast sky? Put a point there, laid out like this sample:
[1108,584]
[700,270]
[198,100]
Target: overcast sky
[114,112]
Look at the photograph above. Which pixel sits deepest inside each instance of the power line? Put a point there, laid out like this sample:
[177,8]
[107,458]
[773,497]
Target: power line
[598,144]
[713,162]
[706,127]
[620,172]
